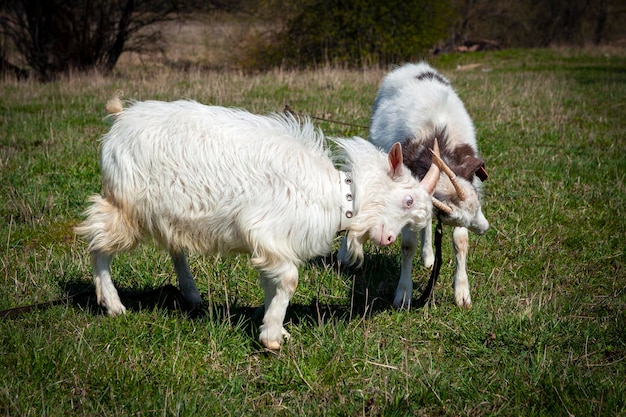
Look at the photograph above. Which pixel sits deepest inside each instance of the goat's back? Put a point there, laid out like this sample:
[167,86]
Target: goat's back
[213,179]
[413,102]
[416,105]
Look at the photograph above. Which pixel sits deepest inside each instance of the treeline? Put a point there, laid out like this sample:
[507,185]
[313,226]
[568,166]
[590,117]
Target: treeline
[50,37]
[359,32]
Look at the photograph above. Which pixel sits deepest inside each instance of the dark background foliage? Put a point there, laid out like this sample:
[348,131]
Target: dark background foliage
[361,32]
[50,37]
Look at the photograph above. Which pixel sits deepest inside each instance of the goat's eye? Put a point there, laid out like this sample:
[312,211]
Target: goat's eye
[408,201]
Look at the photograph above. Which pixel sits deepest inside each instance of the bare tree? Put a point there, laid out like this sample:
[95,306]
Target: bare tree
[55,36]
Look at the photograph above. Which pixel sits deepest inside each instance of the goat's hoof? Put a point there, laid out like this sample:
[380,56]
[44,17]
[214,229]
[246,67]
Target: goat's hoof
[193,303]
[465,303]
[115,310]
[402,302]
[274,343]
[271,344]
[462,295]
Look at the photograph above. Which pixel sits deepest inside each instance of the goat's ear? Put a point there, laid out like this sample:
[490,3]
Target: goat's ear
[473,166]
[395,160]
[481,173]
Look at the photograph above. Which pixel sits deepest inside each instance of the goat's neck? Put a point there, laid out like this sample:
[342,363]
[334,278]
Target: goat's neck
[347,200]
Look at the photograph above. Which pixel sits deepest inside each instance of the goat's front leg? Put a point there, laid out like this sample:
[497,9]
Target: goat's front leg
[106,294]
[279,285]
[343,255]
[426,237]
[186,282]
[461,284]
[404,291]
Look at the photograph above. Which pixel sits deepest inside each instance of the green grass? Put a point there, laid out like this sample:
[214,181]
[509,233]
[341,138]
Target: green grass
[545,335]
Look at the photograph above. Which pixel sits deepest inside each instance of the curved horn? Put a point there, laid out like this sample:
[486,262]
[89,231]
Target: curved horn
[441,206]
[451,175]
[429,182]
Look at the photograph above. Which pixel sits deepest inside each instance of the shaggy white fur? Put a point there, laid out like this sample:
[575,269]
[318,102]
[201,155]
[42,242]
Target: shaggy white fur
[216,180]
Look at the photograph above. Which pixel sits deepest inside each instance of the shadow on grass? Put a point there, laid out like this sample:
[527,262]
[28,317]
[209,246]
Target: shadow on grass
[371,293]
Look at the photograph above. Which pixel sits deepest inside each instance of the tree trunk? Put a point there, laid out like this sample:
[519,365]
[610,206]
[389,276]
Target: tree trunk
[121,37]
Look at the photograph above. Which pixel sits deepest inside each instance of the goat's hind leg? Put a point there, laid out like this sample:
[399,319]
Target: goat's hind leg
[106,294]
[186,282]
[108,231]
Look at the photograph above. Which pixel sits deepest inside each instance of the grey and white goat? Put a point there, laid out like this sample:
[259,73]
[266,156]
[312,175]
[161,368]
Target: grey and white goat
[414,106]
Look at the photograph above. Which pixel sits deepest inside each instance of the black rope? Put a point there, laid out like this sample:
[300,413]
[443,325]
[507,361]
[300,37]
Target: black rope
[18,311]
[434,274]
[289,110]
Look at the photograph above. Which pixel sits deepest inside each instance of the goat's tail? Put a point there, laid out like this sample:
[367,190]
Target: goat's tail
[108,228]
[115,105]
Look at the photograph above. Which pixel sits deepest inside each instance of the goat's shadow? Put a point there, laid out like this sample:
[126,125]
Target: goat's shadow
[372,287]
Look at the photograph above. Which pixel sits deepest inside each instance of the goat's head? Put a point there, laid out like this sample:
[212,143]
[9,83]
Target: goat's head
[387,198]
[458,201]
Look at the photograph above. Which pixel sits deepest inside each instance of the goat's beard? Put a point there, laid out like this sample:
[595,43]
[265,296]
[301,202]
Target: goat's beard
[355,240]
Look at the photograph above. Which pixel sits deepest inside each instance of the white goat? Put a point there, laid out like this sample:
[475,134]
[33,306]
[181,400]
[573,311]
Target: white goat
[415,105]
[217,180]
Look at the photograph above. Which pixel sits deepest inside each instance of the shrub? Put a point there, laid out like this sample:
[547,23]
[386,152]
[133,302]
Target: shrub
[356,33]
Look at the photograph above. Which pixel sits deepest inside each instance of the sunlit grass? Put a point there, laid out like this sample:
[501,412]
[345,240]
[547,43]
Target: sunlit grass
[544,335]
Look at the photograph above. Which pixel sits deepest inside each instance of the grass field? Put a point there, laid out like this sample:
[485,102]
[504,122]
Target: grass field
[546,333]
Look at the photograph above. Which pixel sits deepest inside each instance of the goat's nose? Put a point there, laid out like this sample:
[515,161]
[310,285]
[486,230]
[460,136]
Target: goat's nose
[482,224]
[385,237]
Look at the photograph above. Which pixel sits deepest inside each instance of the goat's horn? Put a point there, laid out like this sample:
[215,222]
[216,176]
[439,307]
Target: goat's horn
[441,206]
[429,182]
[451,175]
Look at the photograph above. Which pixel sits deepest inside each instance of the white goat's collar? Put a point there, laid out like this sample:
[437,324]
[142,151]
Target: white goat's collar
[347,200]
